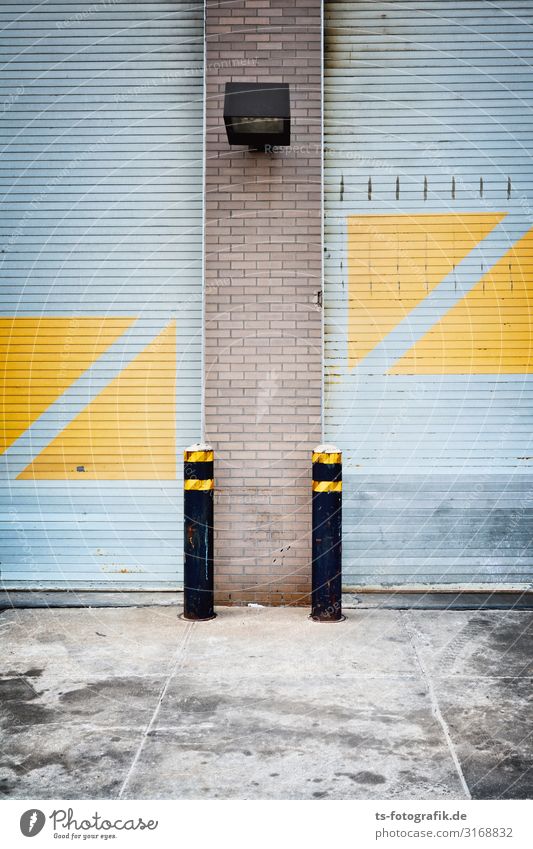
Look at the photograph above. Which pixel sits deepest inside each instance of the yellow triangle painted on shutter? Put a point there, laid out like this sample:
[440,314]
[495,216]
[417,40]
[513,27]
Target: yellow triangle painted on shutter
[128,431]
[40,358]
[490,331]
[394,261]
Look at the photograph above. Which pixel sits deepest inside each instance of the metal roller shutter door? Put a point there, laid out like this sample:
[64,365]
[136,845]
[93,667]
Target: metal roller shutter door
[101,176]
[428,270]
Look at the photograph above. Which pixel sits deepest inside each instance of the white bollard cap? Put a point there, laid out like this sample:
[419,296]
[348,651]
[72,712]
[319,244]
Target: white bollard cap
[200,446]
[326,448]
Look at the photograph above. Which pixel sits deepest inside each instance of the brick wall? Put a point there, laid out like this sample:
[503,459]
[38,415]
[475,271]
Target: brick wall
[263,329]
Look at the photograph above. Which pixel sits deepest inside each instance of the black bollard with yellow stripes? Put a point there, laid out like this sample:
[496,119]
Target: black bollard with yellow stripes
[198,601]
[326,596]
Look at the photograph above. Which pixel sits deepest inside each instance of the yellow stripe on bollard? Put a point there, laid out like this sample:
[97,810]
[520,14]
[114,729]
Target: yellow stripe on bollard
[200,485]
[327,486]
[198,456]
[327,458]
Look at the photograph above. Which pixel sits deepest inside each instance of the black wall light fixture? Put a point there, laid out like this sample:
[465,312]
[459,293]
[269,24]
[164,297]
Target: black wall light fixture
[258,114]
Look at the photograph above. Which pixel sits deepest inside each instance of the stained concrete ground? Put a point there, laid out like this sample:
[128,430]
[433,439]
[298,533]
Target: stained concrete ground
[262,703]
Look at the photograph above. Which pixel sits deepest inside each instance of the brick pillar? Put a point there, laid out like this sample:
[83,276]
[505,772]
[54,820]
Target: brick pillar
[263,263]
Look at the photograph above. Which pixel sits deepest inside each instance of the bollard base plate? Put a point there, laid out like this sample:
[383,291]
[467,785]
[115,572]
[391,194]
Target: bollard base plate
[195,618]
[327,619]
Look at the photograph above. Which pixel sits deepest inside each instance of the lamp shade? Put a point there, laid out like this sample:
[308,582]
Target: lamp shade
[258,114]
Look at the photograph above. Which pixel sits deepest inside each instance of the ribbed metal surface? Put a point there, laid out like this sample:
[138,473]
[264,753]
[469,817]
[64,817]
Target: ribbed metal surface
[101,236]
[428,268]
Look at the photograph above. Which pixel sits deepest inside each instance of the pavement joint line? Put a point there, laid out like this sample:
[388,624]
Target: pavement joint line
[180,652]
[437,713]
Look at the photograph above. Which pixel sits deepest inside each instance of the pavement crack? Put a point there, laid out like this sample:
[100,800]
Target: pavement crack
[412,632]
[178,658]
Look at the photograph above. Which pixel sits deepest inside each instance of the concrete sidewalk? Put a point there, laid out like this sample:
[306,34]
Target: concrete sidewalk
[262,703]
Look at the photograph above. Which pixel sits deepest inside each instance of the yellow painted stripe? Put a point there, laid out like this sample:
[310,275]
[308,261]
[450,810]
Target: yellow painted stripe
[201,485]
[198,456]
[327,486]
[394,262]
[500,303]
[41,357]
[106,439]
[327,458]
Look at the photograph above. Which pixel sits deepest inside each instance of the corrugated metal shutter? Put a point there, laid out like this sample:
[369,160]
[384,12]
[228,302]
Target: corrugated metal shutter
[101,296]
[429,259]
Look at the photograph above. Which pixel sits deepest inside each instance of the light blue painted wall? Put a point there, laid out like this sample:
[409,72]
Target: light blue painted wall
[101,214]
[437,469]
